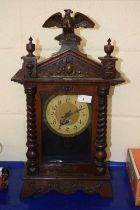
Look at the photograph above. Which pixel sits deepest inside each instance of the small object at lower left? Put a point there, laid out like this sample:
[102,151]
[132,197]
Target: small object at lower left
[4,174]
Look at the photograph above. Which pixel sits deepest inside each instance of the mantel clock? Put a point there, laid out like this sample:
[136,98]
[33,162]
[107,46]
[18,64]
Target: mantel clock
[66,99]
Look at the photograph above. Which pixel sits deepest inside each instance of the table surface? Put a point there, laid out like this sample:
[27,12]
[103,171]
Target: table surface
[122,194]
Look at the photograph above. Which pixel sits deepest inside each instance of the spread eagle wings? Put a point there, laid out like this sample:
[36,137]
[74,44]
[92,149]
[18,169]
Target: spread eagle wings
[54,20]
[80,20]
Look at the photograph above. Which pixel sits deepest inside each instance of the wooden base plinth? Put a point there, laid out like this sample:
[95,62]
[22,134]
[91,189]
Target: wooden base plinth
[67,184]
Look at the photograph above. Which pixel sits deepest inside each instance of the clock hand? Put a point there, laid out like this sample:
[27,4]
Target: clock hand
[78,110]
[65,119]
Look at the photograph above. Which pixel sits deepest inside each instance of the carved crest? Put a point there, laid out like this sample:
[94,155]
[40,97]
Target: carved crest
[69,64]
[69,61]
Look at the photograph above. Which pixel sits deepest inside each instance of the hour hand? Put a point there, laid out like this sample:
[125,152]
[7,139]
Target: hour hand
[65,119]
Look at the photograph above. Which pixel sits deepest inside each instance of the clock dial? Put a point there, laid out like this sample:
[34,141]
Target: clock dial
[66,116]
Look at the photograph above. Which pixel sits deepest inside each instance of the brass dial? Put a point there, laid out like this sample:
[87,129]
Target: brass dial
[66,116]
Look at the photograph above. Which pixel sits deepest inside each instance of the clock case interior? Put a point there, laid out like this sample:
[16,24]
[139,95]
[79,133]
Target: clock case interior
[67,72]
[68,149]
[66,142]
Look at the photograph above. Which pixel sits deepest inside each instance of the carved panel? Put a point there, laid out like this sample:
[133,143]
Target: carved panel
[29,67]
[68,66]
[31,187]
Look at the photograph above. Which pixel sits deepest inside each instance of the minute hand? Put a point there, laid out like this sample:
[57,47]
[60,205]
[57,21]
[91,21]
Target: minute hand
[78,110]
[65,119]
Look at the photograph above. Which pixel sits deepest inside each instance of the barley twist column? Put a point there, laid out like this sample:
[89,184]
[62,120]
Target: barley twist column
[101,144]
[32,154]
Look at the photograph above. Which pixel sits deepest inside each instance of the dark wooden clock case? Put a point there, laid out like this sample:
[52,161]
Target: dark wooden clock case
[67,72]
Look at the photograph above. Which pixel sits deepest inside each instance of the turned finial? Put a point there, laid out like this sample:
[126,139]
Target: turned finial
[30,47]
[108,48]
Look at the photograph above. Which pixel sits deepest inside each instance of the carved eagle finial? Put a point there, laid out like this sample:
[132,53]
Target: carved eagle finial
[67,22]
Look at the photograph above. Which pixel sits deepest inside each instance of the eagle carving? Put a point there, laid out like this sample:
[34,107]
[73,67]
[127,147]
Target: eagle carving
[68,24]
